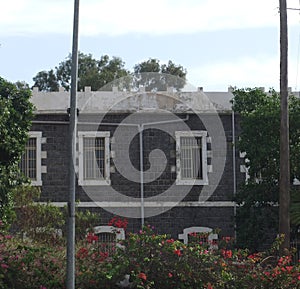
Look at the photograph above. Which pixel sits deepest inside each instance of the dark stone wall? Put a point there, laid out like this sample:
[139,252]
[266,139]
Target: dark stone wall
[56,180]
[176,219]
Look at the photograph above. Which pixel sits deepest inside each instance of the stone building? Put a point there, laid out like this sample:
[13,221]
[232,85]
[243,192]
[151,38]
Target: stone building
[163,158]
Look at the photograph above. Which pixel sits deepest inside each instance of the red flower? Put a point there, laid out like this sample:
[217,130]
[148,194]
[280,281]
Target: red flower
[91,238]
[142,276]
[177,252]
[227,239]
[284,260]
[103,256]
[170,275]
[227,253]
[4,266]
[170,241]
[289,268]
[82,253]
[209,286]
[118,222]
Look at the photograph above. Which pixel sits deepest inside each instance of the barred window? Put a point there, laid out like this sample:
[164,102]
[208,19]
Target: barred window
[30,164]
[109,238]
[191,157]
[28,161]
[93,158]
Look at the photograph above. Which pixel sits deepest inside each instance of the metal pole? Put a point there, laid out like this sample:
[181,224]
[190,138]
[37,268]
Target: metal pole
[234,167]
[72,157]
[284,180]
[141,128]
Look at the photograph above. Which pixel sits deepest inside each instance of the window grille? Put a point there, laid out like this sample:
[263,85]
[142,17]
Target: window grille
[208,236]
[28,163]
[107,242]
[191,157]
[93,158]
[109,238]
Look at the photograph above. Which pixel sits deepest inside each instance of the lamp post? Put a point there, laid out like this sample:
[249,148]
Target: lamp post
[72,155]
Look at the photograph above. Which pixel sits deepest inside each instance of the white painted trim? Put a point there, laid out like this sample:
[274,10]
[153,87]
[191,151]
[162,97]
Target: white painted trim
[243,169]
[242,155]
[38,136]
[209,168]
[106,180]
[43,154]
[185,235]
[296,182]
[120,232]
[195,133]
[217,204]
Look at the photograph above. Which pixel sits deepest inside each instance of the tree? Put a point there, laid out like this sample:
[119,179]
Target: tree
[16,113]
[105,72]
[91,72]
[154,76]
[22,85]
[260,139]
[46,81]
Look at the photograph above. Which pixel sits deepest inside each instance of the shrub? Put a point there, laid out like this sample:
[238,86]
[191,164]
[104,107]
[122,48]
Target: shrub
[145,261]
[45,222]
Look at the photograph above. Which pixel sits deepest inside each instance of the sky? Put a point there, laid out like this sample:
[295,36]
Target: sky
[220,43]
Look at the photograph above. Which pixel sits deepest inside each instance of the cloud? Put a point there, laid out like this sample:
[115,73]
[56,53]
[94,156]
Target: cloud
[116,17]
[256,71]
[243,72]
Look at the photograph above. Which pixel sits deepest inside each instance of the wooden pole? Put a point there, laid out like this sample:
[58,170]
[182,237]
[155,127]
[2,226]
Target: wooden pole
[284,181]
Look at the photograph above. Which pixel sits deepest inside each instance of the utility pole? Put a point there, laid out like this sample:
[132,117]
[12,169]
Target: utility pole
[72,154]
[284,181]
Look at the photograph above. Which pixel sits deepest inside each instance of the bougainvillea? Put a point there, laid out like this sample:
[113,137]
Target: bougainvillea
[145,260]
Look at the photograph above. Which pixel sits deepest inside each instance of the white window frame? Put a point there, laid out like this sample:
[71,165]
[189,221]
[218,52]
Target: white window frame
[38,136]
[94,134]
[197,133]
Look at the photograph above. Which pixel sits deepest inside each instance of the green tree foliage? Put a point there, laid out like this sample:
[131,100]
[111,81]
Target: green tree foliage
[46,81]
[155,76]
[260,139]
[100,74]
[91,72]
[43,222]
[16,113]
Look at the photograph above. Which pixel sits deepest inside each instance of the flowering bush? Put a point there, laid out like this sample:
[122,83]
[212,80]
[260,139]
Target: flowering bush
[145,260]
[30,265]
[118,222]
[156,261]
